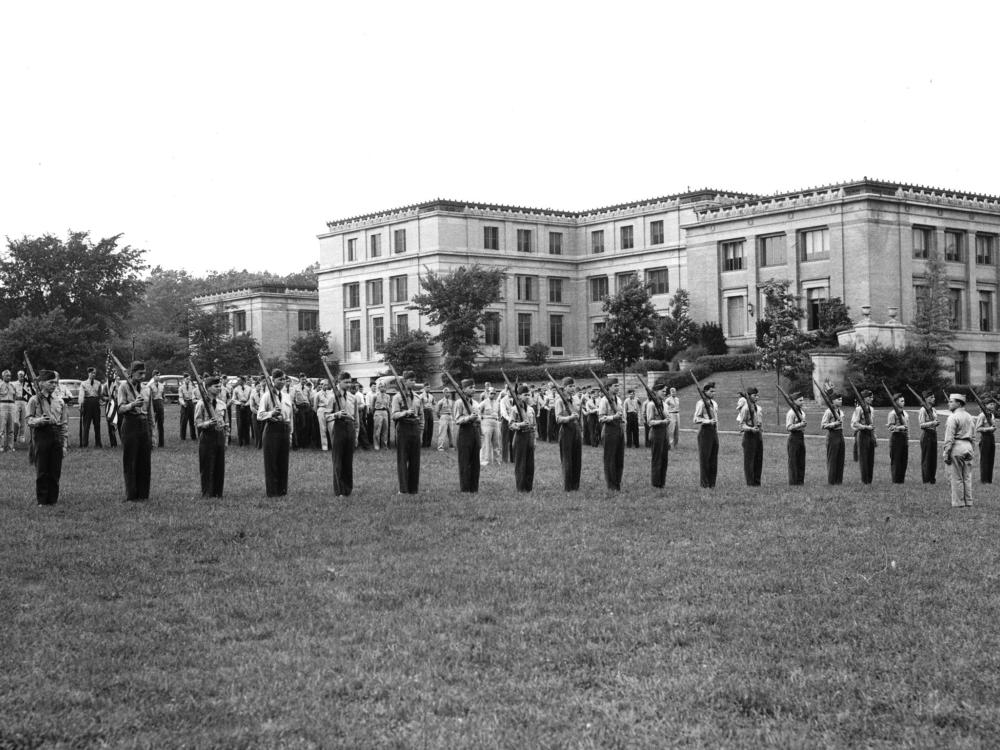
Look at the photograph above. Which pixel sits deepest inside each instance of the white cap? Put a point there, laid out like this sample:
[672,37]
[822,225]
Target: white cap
[957,397]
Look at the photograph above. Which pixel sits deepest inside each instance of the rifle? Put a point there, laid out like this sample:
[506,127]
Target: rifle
[123,374]
[513,396]
[461,394]
[866,410]
[35,386]
[269,384]
[562,394]
[203,391]
[895,407]
[702,396]
[612,401]
[746,395]
[401,386]
[982,406]
[923,402]
[826,399]
[333,385]
[791,404]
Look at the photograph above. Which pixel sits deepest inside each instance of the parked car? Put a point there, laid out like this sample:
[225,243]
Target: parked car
[170,383]
[69,389]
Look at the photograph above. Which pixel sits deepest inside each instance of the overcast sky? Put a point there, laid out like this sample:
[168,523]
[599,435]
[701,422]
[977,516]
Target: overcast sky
[225,134]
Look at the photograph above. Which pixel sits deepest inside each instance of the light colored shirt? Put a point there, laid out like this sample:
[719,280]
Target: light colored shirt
[748,418]
[859,422]
[701,416]
[832,421]
[267,406]
[896,423]
[398,408]
[127,394]
[610,412]
[927,419]
[960,426]
[342,401]
[795,420]
[41,406]
[90,389]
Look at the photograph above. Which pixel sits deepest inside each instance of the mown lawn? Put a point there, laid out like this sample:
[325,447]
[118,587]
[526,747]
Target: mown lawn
[643,619]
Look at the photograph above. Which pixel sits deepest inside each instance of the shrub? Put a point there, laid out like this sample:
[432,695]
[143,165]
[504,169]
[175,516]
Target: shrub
[537,353]
[645,365]
[730,362]
[914,366]
[691,354]
[531,373]
[711,337]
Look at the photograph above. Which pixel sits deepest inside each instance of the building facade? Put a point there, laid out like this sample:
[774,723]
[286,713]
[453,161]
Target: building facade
[865,242]
[274,315]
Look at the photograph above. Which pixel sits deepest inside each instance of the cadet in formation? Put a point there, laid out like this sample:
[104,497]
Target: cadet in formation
[276,413]
[211,425]
[523,426]
[659,425]
[340,423]
[985,428]
[753,437]
[407,413]
[899,436]
[467,442]
[611,415]
[134,409]
[567,417]
[928,421]
[48,418]
[706,416]
[863,424]
[795,424]
[833,423]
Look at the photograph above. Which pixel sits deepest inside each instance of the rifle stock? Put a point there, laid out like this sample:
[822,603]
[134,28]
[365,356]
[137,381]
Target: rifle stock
[203,391]
[562,394]
[461,394]
[895,406]
[612,401]
[333,386]
[982,406]
[866,411]
[651,395]
[513,396]
[922,401]
[400,385]
[791,404]
[702,396]
[123,374]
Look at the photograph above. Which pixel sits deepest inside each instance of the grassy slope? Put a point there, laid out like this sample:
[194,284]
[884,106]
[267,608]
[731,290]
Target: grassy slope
[681,617]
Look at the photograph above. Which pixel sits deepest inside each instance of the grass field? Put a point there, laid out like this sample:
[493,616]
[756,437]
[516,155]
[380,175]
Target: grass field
[682,617]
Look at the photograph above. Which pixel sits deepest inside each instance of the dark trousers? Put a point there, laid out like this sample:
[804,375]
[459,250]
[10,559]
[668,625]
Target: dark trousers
[48,464]
[553,426]
[158,416]
[632,430]
[364,434]
[571,455]
[112,433]
[243,418]
[595,429]
[90,414]
[543,424]
[753,458]
[646,428]
[796,458]
[899,456]
[136,457]
[342,449]
[866,455]
[614,454]
[505,441]
[708,455]
[408,456]
[468,444]
[427,438]
[835,454]
[928,456]
[987,452]
[523,450]
[660,455]
[306,428]
[258,430]
[212,462]
[275,444]
[187,421]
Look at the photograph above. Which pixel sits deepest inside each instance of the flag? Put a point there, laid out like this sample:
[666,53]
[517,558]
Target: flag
[111,408]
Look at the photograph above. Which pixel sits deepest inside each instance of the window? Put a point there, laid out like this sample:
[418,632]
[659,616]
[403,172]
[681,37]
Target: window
[961,367]
[921,299]
[656,232]
[628,237]
[352,249]
[491,329]
[376,245]
[308,320]
[555,330]
[524,240]
[524,329]
[624,279]
[986,249]
[354,335]
[240,321]
[955,306]
[399,241]
[598,327]
[772,250]
[815,244]
[555,243]
[491,238]
[815,298]
[527,288]
[954,245]
[732,255]
[378,331]
[736,316]
[597,241]
[598,288]
[657,281]
[992,365]
[555,290]
[402,323]
[397,289]
[352,296]
[922,239]
[986,311]
[373,291]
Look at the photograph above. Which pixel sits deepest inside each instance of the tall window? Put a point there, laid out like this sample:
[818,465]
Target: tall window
[992,365]
[402,323]
[598,288]
[624,279]
[373,291]
[986,311]
[732,255]
[397,289]
[598,327]
[736,316]
[628,237]
[986,249]
[657,281]
[527,288]
[491,329]
[375,242]
[352,249]
[352,296]
[656,232]
[308,320]
[240,321]
[955,306]
[921,299]
[772,250]
[524,240]
[555,289]
[555,330]
[954,245]
[961,367]
[597,241]
[491,238]
[354,335]
[524,329]
[815,299]
[555,243]
[922,239]
[378,331]
[399,241]
[815,244]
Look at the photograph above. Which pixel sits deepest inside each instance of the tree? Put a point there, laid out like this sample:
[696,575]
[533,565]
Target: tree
[537,353]
[207,332]
[238,354]
[307,354]
[96,284]
[834,317]
[162,350]
[631,320]
[916,366]
[457,301]
[784,344]
[164,306]
[407,350]
[711,337]
[931,326]
[676,330]
[52,341]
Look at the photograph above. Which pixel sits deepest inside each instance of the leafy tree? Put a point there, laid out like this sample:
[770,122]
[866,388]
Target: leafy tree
[164,306]
[52,341]
[913,365]
[307,353]
[784,344]
[631,320]
[537,353]
[408,350]
[95,284]
[457,301]
[676,330]
[834,317]
[162,350]
[931,326]
[711,337]
[237,355]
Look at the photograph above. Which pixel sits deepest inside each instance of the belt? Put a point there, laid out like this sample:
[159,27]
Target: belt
[6,401]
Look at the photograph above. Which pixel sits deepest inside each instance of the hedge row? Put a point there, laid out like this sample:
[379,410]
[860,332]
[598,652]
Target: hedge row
[729,362]
[582,373]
